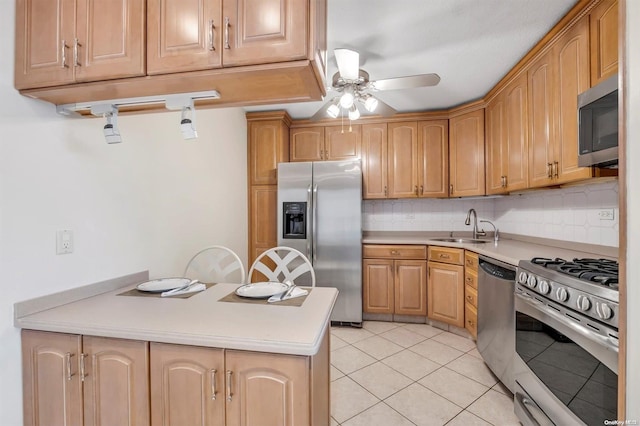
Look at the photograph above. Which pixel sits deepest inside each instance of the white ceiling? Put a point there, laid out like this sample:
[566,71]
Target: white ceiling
[471,44]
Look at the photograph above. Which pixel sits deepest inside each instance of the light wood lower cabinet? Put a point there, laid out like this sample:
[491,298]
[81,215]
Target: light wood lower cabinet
[83,380]
[471,293]
[394,279]
[445,285]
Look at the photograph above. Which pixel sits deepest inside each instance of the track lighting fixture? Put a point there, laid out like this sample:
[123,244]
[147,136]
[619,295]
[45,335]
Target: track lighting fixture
[110,129]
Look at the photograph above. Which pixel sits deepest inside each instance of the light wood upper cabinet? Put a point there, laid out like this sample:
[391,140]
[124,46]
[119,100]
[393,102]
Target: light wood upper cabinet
[402,159]
[603,23]
[555,80]
[183,35]
[267,389]
[268,145]
[84,380]
[307,144]
[187,385]
[374,161]
[78,40]
[263,31]
[433,158]
[342,143]
[507,139]
[466,154]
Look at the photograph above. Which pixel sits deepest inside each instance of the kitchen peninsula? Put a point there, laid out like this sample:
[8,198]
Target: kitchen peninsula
[96,353]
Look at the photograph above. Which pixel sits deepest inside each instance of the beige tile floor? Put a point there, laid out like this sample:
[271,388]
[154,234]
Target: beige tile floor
[391,374]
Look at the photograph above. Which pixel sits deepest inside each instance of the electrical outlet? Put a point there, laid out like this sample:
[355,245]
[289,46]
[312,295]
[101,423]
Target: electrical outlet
[606,214]
[64,241]
[410,216]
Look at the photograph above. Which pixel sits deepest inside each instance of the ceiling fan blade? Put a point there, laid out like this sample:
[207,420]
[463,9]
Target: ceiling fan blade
[384,109]
[348,63]
[410,82]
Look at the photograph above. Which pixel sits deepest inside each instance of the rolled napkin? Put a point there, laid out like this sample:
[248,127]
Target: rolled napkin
[193,288]
[296,292]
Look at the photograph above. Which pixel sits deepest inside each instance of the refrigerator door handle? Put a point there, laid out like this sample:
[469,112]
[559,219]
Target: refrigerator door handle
[309,222]
[314,225]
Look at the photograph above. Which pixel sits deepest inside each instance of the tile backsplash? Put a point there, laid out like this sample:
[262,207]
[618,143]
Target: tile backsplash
[572,213]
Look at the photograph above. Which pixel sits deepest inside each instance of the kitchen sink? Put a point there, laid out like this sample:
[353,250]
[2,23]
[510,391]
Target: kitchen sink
[460,240]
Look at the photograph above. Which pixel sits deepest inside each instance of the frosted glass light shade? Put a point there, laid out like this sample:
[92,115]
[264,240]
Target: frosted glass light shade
[333,110]
[371,104]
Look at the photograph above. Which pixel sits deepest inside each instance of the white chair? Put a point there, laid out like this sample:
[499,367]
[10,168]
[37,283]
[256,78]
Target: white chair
[216,264]
[289,265]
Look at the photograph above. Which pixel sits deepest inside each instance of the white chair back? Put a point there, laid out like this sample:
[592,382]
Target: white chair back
[216,264]
[289,265]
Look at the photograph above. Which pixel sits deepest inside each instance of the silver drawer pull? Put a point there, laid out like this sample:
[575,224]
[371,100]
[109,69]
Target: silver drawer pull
[214,391]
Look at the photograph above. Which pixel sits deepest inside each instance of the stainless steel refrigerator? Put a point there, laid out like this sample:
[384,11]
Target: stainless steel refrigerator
[320,214]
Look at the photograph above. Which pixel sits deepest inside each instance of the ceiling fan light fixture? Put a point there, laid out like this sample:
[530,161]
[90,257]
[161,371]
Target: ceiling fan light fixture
[347,98]
[370,104]
[333,110]
[354,113]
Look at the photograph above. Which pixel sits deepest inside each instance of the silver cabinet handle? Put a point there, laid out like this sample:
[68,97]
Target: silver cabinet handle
[76,44]
[549,170]
[309,222]
[212,47]
[415,189]
[386,191]
[421,190]
[555,169]
[82,368]
[214,391]
[450,189]
[64,48]
[67,358]
[229,393]
[227,24]
[314,224]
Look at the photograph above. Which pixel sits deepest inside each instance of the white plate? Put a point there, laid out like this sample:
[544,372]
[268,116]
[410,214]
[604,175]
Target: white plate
[163,284]
[261,290]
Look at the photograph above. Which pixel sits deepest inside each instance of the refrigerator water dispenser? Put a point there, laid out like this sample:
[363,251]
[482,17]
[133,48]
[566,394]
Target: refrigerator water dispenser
[294,224]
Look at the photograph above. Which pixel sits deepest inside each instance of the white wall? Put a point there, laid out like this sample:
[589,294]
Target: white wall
[569,214]
[633,208]
[146,204]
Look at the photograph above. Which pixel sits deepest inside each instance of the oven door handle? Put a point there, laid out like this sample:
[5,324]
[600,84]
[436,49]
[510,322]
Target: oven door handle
[576,332]
[534,414]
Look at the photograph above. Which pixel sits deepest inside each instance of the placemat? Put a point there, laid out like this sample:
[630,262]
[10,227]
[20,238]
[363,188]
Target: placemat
[137,293]
[296,301]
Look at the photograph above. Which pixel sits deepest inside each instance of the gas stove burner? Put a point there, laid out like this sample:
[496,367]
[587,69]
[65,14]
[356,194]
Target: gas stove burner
[598,271]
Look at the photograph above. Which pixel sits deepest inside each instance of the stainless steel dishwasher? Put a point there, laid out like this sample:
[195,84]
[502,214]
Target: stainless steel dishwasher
[496,317]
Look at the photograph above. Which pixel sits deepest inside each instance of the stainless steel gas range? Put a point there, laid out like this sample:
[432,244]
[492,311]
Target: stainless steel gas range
[566,341]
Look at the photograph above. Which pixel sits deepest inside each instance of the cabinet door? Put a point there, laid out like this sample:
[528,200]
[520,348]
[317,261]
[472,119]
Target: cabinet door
[604,41]
[433,158]
[540,85]
[51,384]
[111,39]
[187,385]
[264,31]
[496,141]
[445,293]
[268,146]
[184,35]
[466,154]
[377,286]
[572,55]
[44,40]
[342,143]
[403,160]
[411,287]
[263,215]
[374,161]
[515,156]
[307,144]
[116,381]
[266,389]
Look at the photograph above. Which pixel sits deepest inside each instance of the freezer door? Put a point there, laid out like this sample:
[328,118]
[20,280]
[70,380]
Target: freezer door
[294,192]
[337,234]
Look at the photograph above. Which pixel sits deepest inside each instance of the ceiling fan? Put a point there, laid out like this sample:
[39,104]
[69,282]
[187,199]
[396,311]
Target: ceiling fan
[354,88]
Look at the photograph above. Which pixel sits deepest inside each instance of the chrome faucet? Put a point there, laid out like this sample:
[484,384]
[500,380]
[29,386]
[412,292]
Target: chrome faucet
[476,233]
[496,231]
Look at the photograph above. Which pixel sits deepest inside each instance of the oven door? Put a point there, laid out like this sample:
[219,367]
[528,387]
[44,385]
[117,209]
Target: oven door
[565,373]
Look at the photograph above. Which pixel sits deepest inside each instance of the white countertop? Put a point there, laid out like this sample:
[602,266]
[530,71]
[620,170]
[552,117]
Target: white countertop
[507,250]
[200,320]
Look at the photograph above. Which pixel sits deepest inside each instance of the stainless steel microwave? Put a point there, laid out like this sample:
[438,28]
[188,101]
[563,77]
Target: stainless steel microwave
[598,125]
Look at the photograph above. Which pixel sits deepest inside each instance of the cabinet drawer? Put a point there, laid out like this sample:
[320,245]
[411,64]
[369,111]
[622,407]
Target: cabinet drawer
[384,251]
[446,255]
[471,295]
[471,319]
[471,260]
[471,278]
